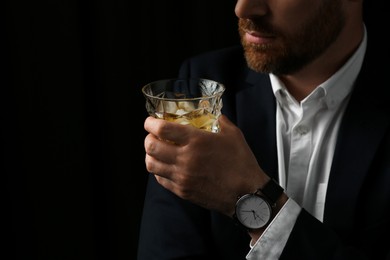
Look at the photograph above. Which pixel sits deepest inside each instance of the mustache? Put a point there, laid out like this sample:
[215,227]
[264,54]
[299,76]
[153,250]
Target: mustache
[258,25]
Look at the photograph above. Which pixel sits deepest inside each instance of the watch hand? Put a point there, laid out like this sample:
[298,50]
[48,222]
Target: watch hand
[258,216]
[253,212]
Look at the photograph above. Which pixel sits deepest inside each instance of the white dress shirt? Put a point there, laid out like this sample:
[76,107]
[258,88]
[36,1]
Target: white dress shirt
[306,134]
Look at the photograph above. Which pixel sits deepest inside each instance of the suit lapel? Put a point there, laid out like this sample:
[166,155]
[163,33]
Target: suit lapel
[255,104]
[364,124]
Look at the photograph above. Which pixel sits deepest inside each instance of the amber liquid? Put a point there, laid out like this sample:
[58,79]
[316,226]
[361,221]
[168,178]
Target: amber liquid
[199,118]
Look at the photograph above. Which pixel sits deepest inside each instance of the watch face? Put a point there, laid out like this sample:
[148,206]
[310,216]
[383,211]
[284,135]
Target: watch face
[253,211]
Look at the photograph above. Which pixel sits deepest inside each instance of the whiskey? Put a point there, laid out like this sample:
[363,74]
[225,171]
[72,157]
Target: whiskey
[199,118]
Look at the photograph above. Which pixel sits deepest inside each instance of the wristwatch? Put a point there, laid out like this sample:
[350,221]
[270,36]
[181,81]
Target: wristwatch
[254,210]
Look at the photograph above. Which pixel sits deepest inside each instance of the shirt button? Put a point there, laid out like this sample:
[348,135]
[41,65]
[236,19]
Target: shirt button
[302,129]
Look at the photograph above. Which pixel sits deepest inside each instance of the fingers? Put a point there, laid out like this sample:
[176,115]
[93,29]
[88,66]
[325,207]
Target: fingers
[162,148]
[172,186]
[166,183]
[164,151]
[170,131]
[224,123]
[157,167]
[164,172]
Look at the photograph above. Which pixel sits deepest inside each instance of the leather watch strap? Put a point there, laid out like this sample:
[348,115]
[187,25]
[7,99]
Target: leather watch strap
[272,190]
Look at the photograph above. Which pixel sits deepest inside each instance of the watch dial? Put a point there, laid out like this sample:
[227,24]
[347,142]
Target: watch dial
[253,211]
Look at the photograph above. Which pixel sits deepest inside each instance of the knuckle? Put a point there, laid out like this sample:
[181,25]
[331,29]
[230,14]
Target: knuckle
[163,129]
[149,145]
[148,164]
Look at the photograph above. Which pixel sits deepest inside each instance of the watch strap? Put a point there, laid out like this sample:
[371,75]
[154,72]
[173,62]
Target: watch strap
[272,190]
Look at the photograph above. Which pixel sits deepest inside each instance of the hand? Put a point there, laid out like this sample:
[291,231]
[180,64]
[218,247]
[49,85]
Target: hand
[208,169]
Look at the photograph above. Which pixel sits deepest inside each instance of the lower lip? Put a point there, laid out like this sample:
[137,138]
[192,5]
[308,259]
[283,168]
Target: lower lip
[256,39]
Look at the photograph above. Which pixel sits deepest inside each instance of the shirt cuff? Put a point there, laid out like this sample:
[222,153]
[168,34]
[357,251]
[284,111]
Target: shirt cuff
[271,243]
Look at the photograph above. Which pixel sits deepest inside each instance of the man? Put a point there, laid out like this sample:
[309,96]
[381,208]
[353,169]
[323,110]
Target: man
[305,129]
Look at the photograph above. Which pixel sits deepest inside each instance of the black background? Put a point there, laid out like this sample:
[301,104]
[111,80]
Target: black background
[72,114]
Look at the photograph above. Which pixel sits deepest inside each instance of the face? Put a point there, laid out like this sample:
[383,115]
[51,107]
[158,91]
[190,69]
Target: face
[283,36]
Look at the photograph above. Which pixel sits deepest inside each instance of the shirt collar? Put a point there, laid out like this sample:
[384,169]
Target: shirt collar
[338,86]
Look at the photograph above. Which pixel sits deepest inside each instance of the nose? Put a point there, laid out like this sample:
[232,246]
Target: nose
[248,9]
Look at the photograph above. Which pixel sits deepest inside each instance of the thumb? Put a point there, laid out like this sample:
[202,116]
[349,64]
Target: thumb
[224,122]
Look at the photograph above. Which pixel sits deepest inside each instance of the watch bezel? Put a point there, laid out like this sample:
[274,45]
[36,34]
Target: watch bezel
[245,222]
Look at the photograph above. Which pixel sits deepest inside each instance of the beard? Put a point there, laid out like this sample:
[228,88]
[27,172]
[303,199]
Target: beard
[288,53]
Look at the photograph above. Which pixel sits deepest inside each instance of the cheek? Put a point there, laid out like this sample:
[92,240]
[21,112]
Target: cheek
[290,15]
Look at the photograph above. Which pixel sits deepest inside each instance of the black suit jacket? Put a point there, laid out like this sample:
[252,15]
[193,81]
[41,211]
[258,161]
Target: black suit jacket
[356,219]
